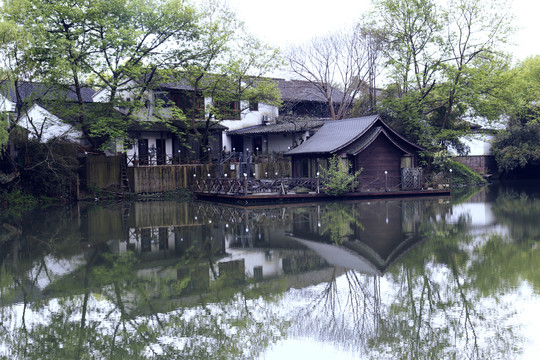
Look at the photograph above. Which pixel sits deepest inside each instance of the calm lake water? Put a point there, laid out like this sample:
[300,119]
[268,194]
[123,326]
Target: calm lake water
[430,278]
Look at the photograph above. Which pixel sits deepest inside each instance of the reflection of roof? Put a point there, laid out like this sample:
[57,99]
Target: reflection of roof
[334,135]
[358,255]
[285,127]
[340,256]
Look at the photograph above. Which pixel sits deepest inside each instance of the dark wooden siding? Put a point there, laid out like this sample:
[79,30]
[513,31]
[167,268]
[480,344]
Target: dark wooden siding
[382,155]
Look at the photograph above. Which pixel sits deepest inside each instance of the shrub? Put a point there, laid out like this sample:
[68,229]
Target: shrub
[337,179]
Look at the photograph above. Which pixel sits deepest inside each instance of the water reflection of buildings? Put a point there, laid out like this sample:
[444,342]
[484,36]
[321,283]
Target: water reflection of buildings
[301,244]
[265,243]
[477,213]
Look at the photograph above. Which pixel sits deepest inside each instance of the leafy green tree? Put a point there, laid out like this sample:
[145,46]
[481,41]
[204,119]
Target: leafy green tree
[442,64]
[336,178]
[518,146]
[229,67]
[114,41]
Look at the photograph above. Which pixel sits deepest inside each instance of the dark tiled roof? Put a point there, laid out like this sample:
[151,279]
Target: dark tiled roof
[159,126]
[38,91]
[175,85]
[301,90]
[285,127]
[92,111]
[334,135]
[367,139]
[291,90]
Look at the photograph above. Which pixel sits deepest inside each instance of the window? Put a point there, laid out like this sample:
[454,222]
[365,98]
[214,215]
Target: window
[253,105]
[184,101]
[234,110]
[228,110]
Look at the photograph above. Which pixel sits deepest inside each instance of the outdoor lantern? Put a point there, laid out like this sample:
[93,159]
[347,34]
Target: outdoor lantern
[317,174]
[225,175]
[208,175]
[245,175]
[194,175]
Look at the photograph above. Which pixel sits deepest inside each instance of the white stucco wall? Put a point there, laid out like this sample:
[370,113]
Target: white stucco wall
[279,142]
[152,137]
[479,144]
[39,120]
[254,258]
[6,104]
[248,118]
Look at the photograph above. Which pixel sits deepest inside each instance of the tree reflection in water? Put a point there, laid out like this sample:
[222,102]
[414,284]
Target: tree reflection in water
[381,279]
[109,307]
[427,306]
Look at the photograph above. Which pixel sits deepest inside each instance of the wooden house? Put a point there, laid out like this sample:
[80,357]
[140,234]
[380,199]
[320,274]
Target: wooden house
[366,143]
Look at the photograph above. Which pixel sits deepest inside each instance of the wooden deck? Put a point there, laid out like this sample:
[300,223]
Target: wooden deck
[282,190]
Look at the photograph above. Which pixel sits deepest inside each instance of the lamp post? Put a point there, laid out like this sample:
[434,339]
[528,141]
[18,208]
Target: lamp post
[385,180]
[450,179]
[318,183]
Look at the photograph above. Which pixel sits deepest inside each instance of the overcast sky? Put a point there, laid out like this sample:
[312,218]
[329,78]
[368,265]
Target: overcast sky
[285,22]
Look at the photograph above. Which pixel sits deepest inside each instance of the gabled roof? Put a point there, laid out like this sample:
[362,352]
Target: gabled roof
[301,90]
[284,127]
[334,135]
[38,91]
[291,90]
[69,112]
[338,134]
[159,126]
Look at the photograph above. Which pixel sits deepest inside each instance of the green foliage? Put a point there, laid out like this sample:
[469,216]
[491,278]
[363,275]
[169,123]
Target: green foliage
[3,133]
[50,169]
[444,65]
[17,199]
[461,174]
[340,222]
[228,67]
[336,179]
[518,146]
[14,205]
[118,44]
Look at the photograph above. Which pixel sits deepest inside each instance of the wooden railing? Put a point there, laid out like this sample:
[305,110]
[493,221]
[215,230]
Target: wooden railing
[254,186]
[151,159]
[297,185]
